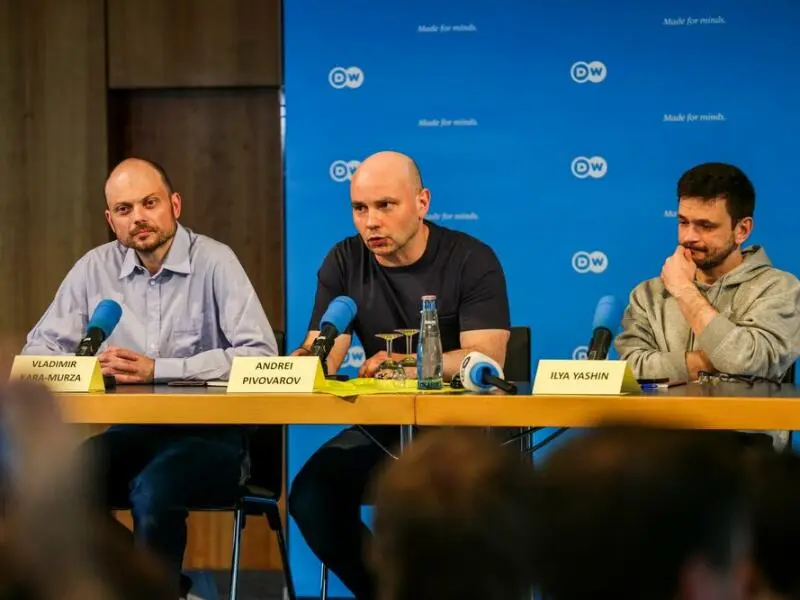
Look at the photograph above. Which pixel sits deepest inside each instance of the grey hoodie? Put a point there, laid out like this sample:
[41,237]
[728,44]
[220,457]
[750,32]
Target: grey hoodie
[757,330]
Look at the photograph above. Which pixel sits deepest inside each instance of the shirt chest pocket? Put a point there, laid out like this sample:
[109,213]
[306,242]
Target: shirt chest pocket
[187,336]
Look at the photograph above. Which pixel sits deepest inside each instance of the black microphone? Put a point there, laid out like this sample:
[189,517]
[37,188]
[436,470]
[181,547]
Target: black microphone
[104,319]
[607,317]
[340,313]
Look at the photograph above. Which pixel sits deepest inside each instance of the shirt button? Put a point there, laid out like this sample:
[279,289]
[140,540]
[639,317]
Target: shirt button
[152,282]
[152,346]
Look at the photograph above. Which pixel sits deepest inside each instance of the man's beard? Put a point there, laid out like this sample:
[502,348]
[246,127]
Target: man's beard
[715,257]
[161,238]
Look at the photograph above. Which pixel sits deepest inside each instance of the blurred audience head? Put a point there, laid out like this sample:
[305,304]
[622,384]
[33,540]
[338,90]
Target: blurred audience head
[453,521]
[639,513]
[54,544]
[774,486]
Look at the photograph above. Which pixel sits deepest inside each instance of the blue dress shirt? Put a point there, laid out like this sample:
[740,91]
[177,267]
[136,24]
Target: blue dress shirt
[192,317]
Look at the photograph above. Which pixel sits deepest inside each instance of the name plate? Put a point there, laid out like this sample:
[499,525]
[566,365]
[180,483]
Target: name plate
[275,374]
[60,373]
[585,378]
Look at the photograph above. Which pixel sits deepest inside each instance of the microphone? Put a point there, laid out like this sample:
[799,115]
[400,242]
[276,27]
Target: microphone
[479,372]
[338,316]
[104,319]
[607,317]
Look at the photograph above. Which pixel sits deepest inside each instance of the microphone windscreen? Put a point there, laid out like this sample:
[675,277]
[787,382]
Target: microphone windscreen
[105,317]
[340,313]
[472,370]
[478,371]
[608,314]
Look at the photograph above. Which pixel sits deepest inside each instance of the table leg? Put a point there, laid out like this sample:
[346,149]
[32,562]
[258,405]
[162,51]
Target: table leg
[406,436]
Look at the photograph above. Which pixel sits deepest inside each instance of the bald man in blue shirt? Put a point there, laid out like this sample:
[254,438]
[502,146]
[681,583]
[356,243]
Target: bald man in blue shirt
[188,308]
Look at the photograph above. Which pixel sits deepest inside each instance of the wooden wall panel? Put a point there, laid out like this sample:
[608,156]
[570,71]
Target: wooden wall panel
[194,43]
[221,146]
[13,236]
[52,149]
[222,151]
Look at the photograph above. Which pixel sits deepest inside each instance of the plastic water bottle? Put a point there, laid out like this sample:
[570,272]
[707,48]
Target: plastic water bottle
[429,347]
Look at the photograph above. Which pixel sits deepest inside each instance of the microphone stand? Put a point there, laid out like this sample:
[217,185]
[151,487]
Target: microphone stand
[94,335]
[323,357]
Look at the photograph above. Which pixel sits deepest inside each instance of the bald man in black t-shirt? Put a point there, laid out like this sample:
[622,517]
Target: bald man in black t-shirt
[396,258]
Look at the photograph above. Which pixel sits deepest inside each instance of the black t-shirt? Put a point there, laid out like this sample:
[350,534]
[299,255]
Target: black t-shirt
[462,272]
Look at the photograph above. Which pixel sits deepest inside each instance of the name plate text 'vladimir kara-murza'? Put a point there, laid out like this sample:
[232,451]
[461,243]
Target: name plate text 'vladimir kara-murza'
[60,373]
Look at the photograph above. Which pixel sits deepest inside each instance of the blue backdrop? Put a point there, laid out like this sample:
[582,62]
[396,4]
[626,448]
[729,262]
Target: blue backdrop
[554,134]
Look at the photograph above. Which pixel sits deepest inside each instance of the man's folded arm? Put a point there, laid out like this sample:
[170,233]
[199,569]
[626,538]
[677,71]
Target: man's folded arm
[637,345]
[762,342]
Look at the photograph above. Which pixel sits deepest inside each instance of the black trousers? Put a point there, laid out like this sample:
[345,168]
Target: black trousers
[326,499]
[328,492]
[160,470]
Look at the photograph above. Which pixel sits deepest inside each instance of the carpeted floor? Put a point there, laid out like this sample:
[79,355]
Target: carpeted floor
[253,585]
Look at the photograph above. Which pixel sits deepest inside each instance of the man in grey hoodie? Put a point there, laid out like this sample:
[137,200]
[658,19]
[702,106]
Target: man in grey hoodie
[716,307]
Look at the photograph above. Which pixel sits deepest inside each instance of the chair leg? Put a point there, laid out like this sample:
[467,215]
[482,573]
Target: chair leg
[323,582]
[287,570]
[238,525]
[525,445]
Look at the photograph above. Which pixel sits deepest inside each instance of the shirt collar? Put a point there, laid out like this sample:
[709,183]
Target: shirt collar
[177,259]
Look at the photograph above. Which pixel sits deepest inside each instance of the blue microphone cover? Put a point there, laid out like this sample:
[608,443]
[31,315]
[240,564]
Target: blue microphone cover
[105,316]
[476,374]
[608,314]
[340,313]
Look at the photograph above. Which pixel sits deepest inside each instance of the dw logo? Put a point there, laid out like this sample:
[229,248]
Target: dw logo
[586,166]
[342,170]
[594,72]
[355,357]
[589,262]
[580,353]
[351,77]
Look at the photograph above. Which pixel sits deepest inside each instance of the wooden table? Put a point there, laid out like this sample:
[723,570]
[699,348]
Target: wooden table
[711,406]
[213,405]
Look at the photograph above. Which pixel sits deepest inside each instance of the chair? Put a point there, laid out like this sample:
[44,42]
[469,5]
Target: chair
[518,355]
[788,377]
[280,337]
[262,491]
[260,494]
[517,368]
